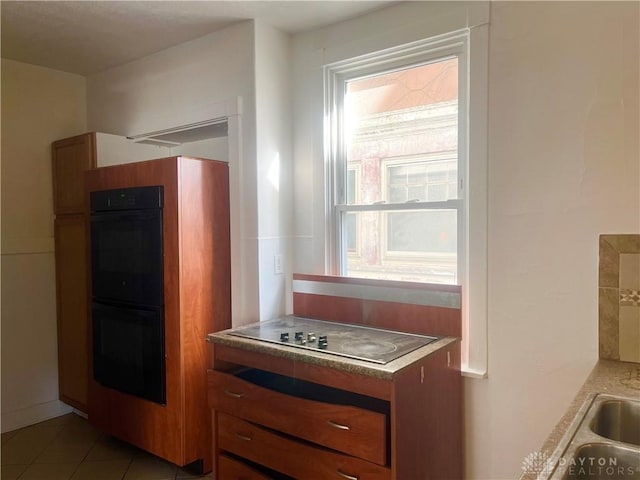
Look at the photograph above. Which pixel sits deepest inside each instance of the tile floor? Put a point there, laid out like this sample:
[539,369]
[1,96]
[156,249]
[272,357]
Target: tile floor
[68,448]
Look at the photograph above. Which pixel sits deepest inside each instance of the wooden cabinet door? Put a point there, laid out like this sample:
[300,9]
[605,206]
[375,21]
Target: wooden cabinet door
[70,158]
[71,292]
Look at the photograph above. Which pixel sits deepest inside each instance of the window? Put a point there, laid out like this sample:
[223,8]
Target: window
[398,166]
[404,199]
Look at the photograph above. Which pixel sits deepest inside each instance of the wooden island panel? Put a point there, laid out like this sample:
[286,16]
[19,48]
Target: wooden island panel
[423,427]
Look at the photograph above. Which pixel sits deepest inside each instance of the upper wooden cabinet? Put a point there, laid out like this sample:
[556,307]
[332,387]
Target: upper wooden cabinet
[71,157]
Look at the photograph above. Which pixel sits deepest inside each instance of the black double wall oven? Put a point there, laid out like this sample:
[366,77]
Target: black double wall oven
[128,291]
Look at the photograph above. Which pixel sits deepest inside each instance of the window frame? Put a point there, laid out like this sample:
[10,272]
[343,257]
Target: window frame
[357,171]
[470,45]
[337,75]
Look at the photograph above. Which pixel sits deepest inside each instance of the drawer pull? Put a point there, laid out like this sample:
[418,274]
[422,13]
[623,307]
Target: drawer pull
[233,394]
[338,425]
[243,437]
[348,477]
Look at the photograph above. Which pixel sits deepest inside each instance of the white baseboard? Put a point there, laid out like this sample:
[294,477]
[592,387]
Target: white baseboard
[81,414]
[33,414]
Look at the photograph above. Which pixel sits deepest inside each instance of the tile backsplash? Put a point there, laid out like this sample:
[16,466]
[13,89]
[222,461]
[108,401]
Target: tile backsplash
[619,297]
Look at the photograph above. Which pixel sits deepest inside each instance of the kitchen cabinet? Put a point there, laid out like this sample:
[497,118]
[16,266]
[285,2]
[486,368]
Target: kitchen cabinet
[290,416]
[70,158]
[71,292]
[196,275]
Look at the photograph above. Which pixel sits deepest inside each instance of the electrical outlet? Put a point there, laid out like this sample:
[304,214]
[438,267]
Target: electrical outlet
[277,264]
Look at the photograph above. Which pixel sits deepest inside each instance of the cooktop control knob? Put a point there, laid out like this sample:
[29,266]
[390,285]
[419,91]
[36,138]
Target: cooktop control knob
[284,337]
[299,335]
[311,337]
[322,341]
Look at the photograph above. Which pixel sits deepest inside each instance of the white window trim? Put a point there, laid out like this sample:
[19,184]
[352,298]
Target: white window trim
[475,296]
[472,43]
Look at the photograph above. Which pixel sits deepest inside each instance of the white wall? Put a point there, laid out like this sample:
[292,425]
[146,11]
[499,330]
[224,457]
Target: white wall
[563,168]
[563,163]
[217,148]
[186,84]
[275,206]
[116,150]
[397,25]
[39,106]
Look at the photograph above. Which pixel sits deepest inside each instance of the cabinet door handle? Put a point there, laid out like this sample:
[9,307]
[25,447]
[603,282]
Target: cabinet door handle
[233,394]
[348,477]
[243,437]
[338,425]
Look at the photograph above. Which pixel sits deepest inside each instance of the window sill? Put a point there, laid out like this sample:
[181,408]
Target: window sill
[477,374]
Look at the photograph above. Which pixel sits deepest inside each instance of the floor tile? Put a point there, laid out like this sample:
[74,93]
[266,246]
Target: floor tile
[186,475]
[7,435]
[67,452]
[109,448]
[105,470]
[62,420]
[149,467]
[27,444]
[189,474]
[49,471]
[69,448]
[78,431]
[12,472]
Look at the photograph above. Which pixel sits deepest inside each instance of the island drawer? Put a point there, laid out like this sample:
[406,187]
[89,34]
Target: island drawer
[349,429]
[231,469]
[294,458]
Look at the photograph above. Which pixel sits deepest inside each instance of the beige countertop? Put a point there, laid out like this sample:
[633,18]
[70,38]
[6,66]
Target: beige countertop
[384,372]
[608,376]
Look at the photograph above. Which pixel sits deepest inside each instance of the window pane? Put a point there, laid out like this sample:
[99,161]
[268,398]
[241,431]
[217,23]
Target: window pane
[401,142]
[416,193]
[437,193]
[351,186]
[398,194]
[410,114]
[432,231]
[351,227]
[419,246]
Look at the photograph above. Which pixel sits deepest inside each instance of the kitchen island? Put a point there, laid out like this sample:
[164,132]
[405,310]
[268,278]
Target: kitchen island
[286,412]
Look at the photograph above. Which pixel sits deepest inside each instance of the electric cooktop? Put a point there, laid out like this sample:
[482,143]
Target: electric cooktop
[347,340]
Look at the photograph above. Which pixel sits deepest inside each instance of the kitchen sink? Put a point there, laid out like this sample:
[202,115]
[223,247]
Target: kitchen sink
[603,461]
[618,420]
[602,443]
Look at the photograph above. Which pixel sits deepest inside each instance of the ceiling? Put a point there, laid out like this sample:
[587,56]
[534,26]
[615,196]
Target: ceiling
[86,37]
